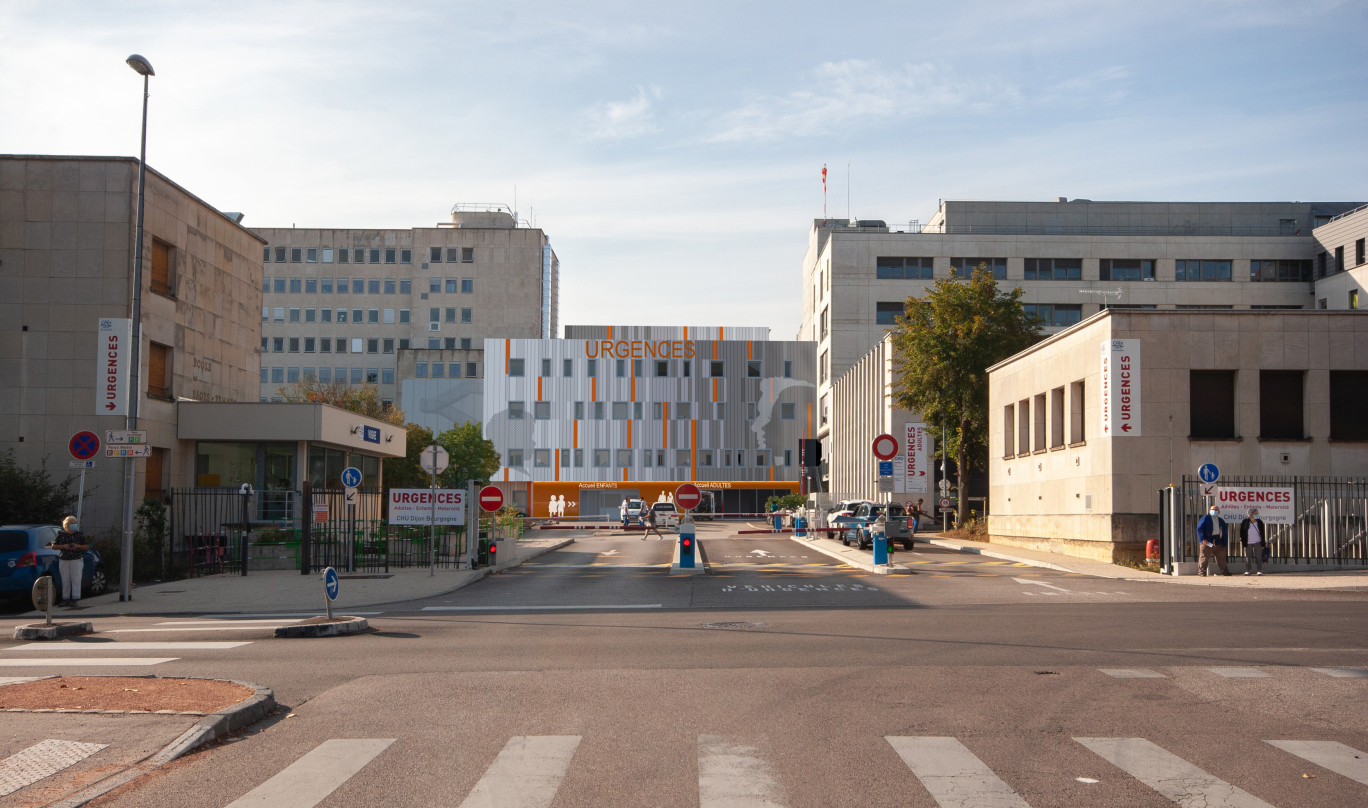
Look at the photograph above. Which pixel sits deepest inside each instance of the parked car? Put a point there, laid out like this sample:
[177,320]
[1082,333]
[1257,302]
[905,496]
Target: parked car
[635,508]
[25,557]
[856,527]
[666,514]
[845,509]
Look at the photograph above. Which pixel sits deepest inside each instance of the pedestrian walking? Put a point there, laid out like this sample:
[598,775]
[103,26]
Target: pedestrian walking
[622,514]
[916,516]
[651,525]
[1253,537]
[71,546]
[1211,539]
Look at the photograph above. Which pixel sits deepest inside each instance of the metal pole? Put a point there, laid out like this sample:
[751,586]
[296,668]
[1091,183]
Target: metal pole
[80,497]
[432,523]
[134,394]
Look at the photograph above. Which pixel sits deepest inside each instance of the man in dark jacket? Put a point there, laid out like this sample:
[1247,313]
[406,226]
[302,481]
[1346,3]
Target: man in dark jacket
[1211,541]
[1253,538]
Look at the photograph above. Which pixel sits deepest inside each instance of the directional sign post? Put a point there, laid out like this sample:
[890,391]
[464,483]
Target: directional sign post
[434,460]
[83,446]
[330,589]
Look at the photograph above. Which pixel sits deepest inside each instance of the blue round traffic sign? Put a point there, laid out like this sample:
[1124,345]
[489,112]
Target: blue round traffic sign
[84,445]
[351,476]
[1209,473]
[330,583]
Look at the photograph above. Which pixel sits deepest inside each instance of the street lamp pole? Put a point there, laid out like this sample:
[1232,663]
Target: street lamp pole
[143,68]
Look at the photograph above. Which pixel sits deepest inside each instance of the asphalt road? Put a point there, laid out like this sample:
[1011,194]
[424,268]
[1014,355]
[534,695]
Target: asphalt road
[590,677]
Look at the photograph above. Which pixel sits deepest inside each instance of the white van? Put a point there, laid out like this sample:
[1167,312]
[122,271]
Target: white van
[666,514]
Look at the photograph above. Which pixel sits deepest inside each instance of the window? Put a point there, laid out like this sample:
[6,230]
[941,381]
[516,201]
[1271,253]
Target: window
[1054,269]
[403,343]
[788,457]
[740,458]
[721,411]
[434,343]
[467,315]
[1055,314]
[374,256]
[1039,419]
[579,410]
[389,284]
[467,286]
[637,366]
[683,457]
[888,313]
[1191,270]
[356,345]
[1285,271]
[567,367]
[327,255]
[451,285]
[591,367]
[1339,259]
[966,266]
[390,256]
[1360,252]
[619,410]
[717,368]
[279,285]
[343,255]
[343,286]
[311,286]
[162,266]
[515,410]
[472,370]
[1211,404]
[624,458]
[292,375]
[387,345]
[465,343]
[662,368]
[372,375]
[311,255]
[452,254]
[294,314]
[822,367]
[296,255]
[326,286]
[373,286]
[761,459]
[657,411]
[1353,298]
[515,367]
[705,457]
[541,458]
[158,371]
[1348,391]
[266,259]
[1056,417]
[280,255]
[579,458]
[646,458]
[515,458]
[916,269]
[325,375]
[294,344]
[823,332]
[310,345]
[601,458]
[387,375]
[788,368]
[356,375]
[545,368]
[600,410]
[435,255]
[1008,424]
[403,316]
[1125,269]
[277,375]
[751,411]
[685,368]
[1023,441]
[683,410]
[638,411]
[467,255]
[541,410]
[296,286]
[753,369]
[438,370]
[565,458]
[787,411]
[620,366]
[420,370]
[278,314]
[1280,405]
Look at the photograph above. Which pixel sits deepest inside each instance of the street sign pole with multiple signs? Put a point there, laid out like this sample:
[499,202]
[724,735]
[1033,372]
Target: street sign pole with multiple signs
[83,446]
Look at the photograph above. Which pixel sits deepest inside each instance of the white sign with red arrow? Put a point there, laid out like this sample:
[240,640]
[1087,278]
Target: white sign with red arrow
[909,474]
[114,344]
[1121,388]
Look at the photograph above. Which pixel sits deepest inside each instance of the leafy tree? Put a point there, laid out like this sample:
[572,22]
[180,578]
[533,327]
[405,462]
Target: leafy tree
[406,471]
[786,502]
[30,496]
[361,399]
[942,347]
[472,457]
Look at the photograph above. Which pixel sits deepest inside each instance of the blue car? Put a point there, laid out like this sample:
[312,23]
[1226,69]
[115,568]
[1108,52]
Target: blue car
[25,557]
[856,526]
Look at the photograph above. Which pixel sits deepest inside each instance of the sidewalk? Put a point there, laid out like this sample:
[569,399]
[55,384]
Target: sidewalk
[1346,580]
[288,592]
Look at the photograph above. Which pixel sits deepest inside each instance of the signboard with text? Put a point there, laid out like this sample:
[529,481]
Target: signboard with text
[912,473]
[414,506]
[1277,506]
[1121,388]
[114,347]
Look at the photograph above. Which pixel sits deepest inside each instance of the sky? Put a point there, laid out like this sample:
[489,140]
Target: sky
[673,152]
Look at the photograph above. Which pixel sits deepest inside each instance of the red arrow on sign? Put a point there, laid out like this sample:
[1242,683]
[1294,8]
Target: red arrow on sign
[491,498]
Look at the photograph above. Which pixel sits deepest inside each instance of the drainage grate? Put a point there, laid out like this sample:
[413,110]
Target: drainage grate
[734,626]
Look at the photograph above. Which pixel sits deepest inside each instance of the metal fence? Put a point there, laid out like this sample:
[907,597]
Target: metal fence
[1330,527]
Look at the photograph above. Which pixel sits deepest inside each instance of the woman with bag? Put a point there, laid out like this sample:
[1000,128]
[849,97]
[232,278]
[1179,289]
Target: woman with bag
[71,547]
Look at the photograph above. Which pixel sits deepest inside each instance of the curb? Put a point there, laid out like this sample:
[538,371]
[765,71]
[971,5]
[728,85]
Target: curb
[210,728]
[954,545]
[52,632]
[353,625]
[840,555]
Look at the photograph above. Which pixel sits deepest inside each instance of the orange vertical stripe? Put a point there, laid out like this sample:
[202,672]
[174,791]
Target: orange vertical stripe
[624,475]
[714,392]
[809,426]
[558,465]
[721,333]
[629,434]
[508,350]
[714,349]
[634,388]
[505,475]
[748,350]
[539,388]
[693,450]
[593,389]
[686,332]
[664,425]
[576,443]
[771,472]
[610,332]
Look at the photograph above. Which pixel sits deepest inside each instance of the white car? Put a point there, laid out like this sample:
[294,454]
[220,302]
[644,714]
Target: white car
[666,514]
[635,508]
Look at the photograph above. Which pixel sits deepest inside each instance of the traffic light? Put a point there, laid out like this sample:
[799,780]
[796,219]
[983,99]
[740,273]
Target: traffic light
[493,553]
[810,452]
[686,547]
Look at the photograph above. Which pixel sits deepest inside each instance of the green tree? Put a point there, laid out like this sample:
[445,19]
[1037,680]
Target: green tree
[472,456]
[30,496]
[942,347]
[406,471]
[361,399]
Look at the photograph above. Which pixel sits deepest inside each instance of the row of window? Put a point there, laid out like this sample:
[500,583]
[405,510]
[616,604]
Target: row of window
[327,375]
[1049,314]
[1046,413]
[331,345]
[363,286]
[635,410]
[1109,269]
[295,314]
[1323,259]
[660,368]
[450,370]
[359,255]
[658,458]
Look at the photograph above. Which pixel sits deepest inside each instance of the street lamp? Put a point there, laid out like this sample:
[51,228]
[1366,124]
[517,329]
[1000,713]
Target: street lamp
[143,68]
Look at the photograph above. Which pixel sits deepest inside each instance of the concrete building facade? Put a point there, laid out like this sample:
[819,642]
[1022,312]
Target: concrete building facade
[67,229]
[613,412]
[1086,426]
[1341,263]
[340,305]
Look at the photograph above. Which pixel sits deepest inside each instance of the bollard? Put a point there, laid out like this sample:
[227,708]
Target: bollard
[878,533]
[688,544]
[800,527]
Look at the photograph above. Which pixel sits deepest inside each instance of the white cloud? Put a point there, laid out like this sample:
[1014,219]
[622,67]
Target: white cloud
[617,120]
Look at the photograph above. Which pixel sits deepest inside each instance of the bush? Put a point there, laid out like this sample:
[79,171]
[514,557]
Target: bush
[787,502]
[28,496]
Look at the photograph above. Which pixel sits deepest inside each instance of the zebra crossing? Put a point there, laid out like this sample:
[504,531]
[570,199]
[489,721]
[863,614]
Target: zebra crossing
[738,772]
[131,653]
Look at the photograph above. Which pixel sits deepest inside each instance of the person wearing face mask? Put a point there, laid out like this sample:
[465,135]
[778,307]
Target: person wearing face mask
[1211,537]
[1253,534]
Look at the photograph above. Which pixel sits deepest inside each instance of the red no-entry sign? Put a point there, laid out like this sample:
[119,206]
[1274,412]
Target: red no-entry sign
[491,498]
[687,496]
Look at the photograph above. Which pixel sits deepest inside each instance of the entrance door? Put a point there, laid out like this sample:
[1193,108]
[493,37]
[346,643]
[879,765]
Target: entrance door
[601,503]
[277,482]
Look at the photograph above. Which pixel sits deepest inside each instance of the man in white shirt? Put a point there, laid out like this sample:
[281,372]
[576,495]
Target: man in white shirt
[1253,534]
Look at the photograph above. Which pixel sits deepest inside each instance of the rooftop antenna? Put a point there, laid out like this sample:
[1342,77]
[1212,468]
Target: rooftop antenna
[847,191]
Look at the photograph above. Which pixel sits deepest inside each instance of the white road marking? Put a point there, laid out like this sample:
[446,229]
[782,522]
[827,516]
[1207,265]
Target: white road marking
[799,588]
[69,645]
[41,760]
[1240,673]
[612,552]
[86,662]
[1039,583]
[243,618]
[761,553]
[169,629]
[1338,758]
[1169,774]
[309,780]
[526,774]
[1344,673]
[224,622]
[732,774]
[540,608]
[1132,673]
[955,776]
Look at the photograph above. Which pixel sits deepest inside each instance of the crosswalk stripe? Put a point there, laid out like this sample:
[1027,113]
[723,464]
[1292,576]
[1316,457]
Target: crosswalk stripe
[1169,774]
[1240,673]
[1336,757]
[1132,673]
[169,629]
[69,645]
[1344,673]
[86,662]
[617,606]
[526,774]
[41,760]
[306,782]
[732,774]
[955,776]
